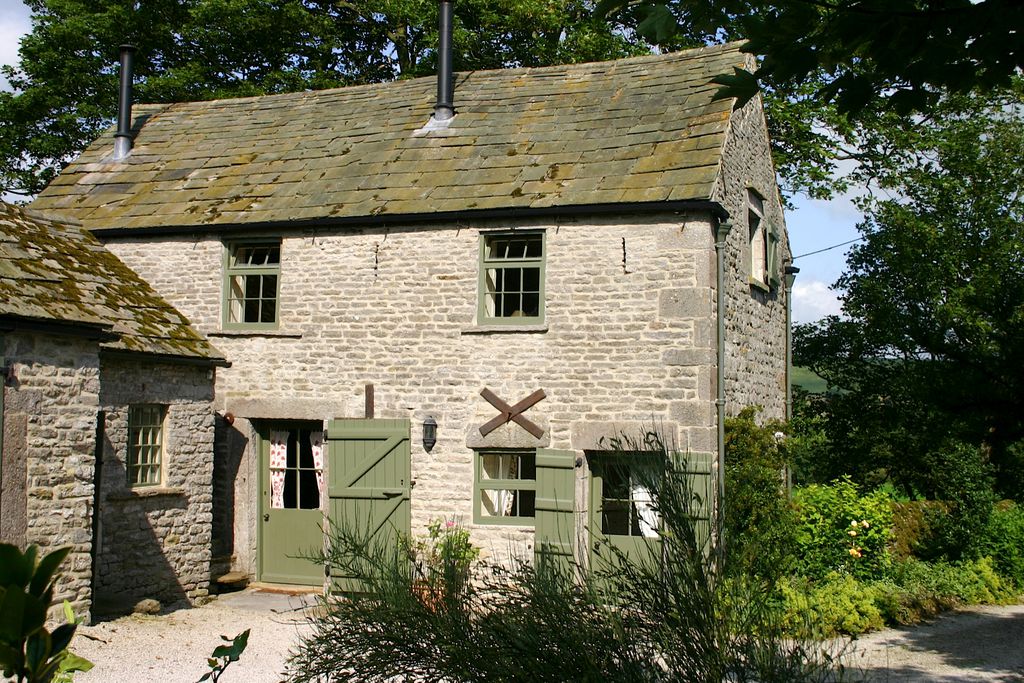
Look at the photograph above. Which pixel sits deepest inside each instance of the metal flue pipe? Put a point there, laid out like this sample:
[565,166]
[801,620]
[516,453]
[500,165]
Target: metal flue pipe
[444,109]
[123,136]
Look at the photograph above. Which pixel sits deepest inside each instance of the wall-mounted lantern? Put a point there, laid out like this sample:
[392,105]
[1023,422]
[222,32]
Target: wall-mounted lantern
[429,434]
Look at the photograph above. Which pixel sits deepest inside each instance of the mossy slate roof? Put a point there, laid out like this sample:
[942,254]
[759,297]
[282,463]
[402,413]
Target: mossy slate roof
[57,272]
[643,129]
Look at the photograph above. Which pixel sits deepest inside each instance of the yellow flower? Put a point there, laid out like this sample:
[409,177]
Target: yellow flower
[855,552]
[865,524]
[852,532]
[853,523]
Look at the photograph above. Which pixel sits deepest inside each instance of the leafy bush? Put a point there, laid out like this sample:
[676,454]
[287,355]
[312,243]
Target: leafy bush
[840,530]
[30,652]
[1004,541]
[838,604]
[759,521]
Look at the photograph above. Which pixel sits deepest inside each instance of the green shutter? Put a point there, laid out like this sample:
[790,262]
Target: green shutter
[555,518]
[697,469]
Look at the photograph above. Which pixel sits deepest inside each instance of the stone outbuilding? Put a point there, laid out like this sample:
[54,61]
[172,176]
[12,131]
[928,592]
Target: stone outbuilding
[107,419]
[431,317]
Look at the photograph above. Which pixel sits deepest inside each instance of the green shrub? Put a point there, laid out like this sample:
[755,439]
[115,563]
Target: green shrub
[759,520]
[1004,541]
[836,605]
[959,475]
[840,530]
[912,530]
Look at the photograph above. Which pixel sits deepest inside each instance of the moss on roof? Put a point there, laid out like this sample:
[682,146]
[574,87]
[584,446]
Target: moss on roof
[57,272]
[634,130]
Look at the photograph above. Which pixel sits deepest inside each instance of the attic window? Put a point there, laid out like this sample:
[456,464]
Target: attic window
[252,277]
[512,278]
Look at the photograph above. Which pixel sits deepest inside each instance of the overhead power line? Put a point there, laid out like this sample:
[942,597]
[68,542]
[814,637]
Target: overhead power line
[834,246]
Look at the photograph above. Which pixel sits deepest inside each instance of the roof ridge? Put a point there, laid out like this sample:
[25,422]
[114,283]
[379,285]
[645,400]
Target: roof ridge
[680,55]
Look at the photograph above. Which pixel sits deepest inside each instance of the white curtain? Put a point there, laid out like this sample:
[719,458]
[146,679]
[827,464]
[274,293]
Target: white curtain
[643,506]
[499,502]
[278,463]
[316,440]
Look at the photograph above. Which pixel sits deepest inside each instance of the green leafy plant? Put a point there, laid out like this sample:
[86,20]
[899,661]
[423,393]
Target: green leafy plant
[29,652]
[839,529]
[224,655]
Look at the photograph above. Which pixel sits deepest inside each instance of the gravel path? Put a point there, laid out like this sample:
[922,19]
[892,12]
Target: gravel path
[973,644]
[976,644]
[173,648]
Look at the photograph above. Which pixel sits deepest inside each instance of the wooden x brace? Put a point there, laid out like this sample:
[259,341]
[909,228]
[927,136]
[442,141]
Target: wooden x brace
[512,413]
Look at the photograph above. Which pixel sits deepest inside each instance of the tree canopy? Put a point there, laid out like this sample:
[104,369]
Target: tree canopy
[903,52]
[931,343]
[65,89]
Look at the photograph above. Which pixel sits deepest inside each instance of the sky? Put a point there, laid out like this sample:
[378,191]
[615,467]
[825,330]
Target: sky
[813,224]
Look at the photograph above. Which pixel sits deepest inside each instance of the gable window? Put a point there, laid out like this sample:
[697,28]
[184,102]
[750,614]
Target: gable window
[144,464]
[512,278]
[506,487]
[252,284]
[758,239]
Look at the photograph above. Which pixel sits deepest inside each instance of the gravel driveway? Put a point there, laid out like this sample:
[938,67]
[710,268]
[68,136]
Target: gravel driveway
[976,644]
[174,647]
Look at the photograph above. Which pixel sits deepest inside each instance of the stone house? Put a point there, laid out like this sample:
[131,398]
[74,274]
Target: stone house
[430,317]
[106,419]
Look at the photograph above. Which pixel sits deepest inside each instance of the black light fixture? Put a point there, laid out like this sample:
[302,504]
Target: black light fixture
[429,434]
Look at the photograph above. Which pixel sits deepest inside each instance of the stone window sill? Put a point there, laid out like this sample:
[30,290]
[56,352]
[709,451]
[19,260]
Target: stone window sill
[757,284]
[498,329]
[286,334]
[146,492]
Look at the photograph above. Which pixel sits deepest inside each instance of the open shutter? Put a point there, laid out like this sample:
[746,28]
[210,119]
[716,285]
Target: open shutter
[697,468]
[555,519]
[774,266]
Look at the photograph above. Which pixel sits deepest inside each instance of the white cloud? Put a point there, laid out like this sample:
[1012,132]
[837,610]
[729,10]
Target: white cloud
[15,21]
[813,300]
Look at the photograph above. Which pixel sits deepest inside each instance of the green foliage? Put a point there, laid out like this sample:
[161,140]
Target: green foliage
[759,521]
[668,615]
[29,652]
[837,604]
[446,555]
[841,530]
[1004,541]
[902,52]
[224,655]
[926,358]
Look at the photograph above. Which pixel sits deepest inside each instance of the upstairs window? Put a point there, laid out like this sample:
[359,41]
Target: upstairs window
[252,285]
[758,240]
[144,464]
[512,278]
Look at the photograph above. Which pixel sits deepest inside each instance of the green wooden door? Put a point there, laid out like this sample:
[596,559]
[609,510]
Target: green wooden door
[291,515]
[370,473]
[555,509]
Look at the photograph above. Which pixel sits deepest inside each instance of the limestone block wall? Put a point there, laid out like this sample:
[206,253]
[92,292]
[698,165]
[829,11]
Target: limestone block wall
[155,541]
[755,343]
[50,411]
[627,342]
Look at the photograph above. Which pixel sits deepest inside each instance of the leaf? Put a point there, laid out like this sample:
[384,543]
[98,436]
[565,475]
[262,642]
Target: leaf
[62,636]
[37,650]
[658,25]
[47,569]
[15,567]
[740,84]
[73,662]
[12,613]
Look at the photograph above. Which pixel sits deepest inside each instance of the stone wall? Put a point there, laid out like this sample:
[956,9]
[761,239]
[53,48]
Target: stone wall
[49,440]
[755,340]
[155,541]
[627,342]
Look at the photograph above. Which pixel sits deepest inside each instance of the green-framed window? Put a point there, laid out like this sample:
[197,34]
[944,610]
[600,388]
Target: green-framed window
[252,282]
[626,504]
[144,465]
[506,487]
[511,278]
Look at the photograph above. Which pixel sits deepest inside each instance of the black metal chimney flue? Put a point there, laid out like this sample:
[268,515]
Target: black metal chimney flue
[123,136]
[444,109]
